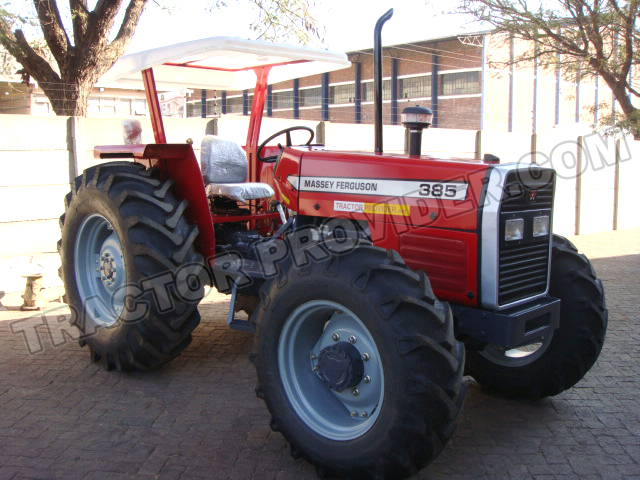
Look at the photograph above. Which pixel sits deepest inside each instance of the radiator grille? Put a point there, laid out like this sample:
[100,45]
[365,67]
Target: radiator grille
[523,272]
[523,269]
[517,195]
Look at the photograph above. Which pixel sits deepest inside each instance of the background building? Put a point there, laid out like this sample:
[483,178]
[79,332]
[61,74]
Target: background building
[466,80]
[18,98]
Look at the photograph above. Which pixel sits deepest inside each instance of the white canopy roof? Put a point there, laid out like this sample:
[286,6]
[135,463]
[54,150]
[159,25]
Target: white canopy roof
[223,63]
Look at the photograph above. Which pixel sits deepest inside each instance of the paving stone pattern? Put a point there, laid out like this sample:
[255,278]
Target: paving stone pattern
[197,418]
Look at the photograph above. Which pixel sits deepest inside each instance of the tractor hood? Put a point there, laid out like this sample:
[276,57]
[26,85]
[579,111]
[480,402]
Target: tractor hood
[418,190]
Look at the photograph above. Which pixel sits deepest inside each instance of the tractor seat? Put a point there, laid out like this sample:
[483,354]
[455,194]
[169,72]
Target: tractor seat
[224,171]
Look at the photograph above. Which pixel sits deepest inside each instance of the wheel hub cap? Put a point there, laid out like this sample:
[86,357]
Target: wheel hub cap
[340,366]
[108,267]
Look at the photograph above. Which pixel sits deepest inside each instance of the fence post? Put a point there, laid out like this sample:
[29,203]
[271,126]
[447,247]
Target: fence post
[77,147]
[321,133]
[534,148]
[579,153]
[478,146]
[616,185]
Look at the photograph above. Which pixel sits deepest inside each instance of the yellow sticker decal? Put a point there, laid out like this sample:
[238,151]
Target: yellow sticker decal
[379,208]
[286,200]
[386,209]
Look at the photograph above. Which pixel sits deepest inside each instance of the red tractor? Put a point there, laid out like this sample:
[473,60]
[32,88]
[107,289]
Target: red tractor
[367,276]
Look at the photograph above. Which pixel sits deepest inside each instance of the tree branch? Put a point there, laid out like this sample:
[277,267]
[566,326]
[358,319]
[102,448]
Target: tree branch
[101,21]
[79,19]
[17,45]
[53,30]
[127,29]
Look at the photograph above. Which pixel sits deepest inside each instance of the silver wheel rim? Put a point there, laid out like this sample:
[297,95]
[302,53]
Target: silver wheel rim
[519,356]
[335,415]
[100,270]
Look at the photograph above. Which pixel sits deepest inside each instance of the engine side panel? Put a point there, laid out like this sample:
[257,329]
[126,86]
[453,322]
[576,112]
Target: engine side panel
[448,257]
[395,195]
[417,192]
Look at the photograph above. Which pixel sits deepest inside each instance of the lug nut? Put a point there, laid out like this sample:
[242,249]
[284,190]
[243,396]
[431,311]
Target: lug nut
[366,379]
[352,339]
[315,368]
[354,414]
[365,357]
[313,356]
[355,392]
[363,414]
[335,337]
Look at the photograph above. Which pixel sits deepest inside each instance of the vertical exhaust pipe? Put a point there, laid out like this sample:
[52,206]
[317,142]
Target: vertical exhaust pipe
[377,77]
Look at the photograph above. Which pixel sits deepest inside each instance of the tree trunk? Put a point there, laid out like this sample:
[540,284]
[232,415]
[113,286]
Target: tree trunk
[68,99]
[622,96]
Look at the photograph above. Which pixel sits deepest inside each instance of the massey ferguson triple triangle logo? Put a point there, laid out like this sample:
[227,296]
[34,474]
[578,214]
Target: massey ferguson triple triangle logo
[533,194]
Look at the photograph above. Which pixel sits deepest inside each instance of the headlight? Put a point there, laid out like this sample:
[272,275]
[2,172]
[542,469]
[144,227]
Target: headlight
[514,229]
[541,226]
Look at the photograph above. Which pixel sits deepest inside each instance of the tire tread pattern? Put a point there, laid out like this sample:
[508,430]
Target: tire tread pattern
[576,344]
[144,201]
[432,395]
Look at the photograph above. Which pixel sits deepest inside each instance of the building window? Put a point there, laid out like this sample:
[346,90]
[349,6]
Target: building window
[107,106]
[139,107]
[234,104]
[194,109]
[342,93]
[42,106]
[368,91]
[415,87]
[93,106]
[311,97]
[124,107]
[283,99]
[465,83]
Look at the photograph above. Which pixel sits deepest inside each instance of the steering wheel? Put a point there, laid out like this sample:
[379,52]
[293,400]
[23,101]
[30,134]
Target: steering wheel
[286,131]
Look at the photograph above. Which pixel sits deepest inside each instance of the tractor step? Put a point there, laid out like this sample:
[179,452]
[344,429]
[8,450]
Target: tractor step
[235,323]
[241,325]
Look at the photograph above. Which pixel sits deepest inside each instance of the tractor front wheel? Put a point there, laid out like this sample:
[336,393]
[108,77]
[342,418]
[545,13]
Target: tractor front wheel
[358,364]
[563,357]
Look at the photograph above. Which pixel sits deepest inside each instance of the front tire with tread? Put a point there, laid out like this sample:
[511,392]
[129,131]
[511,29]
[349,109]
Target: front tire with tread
[422,364]
[572,349]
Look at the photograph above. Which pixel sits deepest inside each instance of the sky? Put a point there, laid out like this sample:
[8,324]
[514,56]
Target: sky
[348,24]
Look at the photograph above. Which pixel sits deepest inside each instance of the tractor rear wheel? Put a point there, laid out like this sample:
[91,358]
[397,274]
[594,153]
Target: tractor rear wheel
[560,360]
[358,364]
[125,248]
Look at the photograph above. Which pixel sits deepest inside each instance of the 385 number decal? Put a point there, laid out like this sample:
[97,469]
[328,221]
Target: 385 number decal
[438,190]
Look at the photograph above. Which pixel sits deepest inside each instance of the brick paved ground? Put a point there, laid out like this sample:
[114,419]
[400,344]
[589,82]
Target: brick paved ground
[63,417]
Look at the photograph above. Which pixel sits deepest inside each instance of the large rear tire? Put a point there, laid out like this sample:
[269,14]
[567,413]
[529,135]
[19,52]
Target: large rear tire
[125,247]
[561,359]
[358,364]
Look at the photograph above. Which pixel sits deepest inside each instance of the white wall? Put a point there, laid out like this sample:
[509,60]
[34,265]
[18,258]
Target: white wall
[629,173]
[36,168]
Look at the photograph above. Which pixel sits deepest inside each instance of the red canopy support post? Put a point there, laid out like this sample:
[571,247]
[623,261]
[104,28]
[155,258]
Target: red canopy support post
[153,105]
[255,121]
